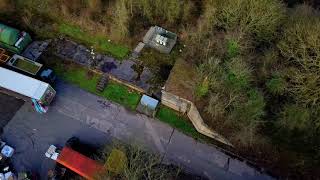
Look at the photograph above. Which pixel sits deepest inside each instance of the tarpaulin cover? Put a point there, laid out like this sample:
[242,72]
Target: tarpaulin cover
[79,163]
[8,34]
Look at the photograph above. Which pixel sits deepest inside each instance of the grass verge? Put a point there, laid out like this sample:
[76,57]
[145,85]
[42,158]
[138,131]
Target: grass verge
[100,42]
[177,121]
[87,80]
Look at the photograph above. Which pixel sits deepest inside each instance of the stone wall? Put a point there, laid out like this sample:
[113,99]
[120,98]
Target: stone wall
[187,107]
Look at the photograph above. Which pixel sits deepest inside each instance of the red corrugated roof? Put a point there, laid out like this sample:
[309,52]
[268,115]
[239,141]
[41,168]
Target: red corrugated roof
[79,163]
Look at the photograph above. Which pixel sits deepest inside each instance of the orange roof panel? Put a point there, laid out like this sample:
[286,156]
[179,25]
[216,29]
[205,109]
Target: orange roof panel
[79,163]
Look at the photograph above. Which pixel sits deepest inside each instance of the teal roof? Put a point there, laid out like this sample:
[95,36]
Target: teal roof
[149,102]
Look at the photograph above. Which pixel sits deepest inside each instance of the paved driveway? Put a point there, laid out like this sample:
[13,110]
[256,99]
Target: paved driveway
[94,120]
[8,107]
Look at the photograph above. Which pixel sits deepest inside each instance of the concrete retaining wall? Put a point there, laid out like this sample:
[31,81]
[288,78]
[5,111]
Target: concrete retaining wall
[187,107]
[174,102]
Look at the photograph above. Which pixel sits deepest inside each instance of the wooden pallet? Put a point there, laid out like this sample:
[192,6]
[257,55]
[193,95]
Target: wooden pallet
[3,57]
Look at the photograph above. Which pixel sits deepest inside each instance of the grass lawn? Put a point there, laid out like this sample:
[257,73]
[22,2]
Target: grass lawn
[98,41]
[177,121]
[79,76]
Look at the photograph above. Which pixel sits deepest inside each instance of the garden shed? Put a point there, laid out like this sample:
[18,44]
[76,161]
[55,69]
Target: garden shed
[148,105]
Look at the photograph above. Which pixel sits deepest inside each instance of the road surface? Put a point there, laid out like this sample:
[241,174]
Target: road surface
[96,121]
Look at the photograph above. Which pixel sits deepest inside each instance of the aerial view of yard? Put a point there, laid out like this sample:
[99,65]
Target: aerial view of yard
[232,87]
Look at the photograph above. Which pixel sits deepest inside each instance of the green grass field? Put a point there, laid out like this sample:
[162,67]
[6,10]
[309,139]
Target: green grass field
[114,91]
[177,121]
[99,42]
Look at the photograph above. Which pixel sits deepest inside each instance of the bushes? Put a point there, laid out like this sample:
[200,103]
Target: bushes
[301,48]
[120,21]
[232,48]
[251,109]
[136,163]
[276,85]
[238,74]
[295,117]
[166,10]
[257,18]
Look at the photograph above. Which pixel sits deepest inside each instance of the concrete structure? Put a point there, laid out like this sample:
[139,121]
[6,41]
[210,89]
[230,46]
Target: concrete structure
[160,39]
[187,107]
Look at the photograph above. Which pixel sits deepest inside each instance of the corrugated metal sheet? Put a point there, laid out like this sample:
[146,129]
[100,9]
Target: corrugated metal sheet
[79,163]
[22,84]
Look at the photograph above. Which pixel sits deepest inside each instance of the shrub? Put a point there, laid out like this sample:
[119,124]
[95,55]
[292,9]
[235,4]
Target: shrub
[203,88]
[238,74]
[247,136]
[276,85]
[120,26]
[301,48]
[116,162]
[294,116]
[258,18]
[136,162]
[217,106]
[251,109]
[212,70]
[232,48]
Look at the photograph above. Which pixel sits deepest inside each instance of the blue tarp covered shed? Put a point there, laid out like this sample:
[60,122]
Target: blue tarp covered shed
[147,105]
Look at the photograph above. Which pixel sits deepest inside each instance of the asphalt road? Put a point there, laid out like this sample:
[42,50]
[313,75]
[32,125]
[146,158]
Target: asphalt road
[96,121]
[8,107]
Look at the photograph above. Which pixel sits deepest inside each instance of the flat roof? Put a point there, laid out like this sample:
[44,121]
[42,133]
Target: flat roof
[79,163]
[149,102]
[22,84]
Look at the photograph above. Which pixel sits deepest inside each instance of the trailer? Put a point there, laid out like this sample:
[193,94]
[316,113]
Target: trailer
[13,39]
[26,66]
[69,157]
[25,87]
